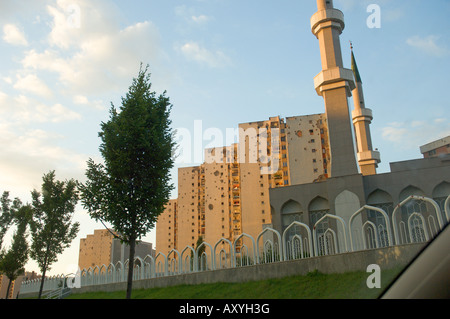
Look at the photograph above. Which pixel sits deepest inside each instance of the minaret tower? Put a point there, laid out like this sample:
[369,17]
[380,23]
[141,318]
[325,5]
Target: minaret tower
[335,84]
[368,159]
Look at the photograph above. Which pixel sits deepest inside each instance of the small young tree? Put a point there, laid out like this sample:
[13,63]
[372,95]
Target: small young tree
[7,212]
[12,262]
[129,190]
[51,227]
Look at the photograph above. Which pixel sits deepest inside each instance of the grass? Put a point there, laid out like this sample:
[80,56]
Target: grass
[314,285]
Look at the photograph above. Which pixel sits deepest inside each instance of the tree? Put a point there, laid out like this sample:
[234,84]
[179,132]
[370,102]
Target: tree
[12,262]
[129,190]
[7,213]
[52,229]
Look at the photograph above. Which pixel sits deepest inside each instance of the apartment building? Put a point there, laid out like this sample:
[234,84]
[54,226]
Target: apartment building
[14,288]
[228,194]
[101,248]
[436,148]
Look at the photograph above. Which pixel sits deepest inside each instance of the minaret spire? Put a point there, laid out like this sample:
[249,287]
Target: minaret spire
[368,159]
[334,84]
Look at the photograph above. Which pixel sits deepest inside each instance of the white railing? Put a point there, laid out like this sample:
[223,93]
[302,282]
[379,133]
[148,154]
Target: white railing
[274,248]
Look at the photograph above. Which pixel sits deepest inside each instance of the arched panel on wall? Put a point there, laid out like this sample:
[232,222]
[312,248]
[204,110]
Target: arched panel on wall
[379,196]
[318,208]
[440,194]
[291,211]
[346,204]
[319,203]
[414,207]
[410,190]
[291,207]
[380,199]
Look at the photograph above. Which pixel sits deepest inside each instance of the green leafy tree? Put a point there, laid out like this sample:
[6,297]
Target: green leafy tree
[12,262]
[129,190]
[52,229]
[7,212]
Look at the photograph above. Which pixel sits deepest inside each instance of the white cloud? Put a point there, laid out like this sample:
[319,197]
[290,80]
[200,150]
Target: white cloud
[428,45]
[83,100]
[32,84]
[7,79]
[410,135]
[27,154]
[188,15]
[99,63]
[23,110]
[12,35]
[57,113]
[193,52]
[83,20]
[200,19]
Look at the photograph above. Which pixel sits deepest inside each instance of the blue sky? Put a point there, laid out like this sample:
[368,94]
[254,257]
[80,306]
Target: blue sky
[222,62]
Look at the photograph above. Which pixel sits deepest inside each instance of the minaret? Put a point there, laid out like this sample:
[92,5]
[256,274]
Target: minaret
[335,84]
[368,159]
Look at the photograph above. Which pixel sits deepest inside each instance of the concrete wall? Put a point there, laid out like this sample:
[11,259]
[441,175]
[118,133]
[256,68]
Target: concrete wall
[386,258]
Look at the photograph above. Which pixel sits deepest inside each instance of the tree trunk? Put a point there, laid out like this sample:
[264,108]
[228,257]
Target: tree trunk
[42,283]
[131,266]
[44,270]
[9,287]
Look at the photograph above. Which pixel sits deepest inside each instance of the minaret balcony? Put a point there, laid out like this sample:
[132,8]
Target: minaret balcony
[369,156]
[327,18]
[333,78]
[364,114]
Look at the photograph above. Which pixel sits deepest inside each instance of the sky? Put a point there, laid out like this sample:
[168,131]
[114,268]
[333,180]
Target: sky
[221,62]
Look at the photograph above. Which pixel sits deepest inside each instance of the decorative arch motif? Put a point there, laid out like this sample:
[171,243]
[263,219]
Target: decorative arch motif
[230,245]
[187,261]
[406,200]
[342,222]
[203,256]
[175,264]
[440,195]
[244,235]
[285,232]
[410,190]
[148,267]
[358,212]
[274,250]
[379,196]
